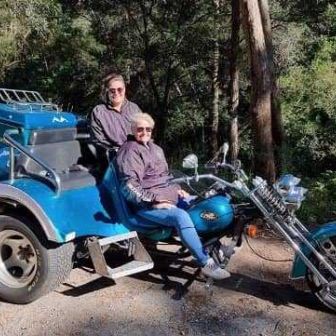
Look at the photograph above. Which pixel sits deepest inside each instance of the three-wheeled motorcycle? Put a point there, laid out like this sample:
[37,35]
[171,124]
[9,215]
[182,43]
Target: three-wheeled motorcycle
[55,208]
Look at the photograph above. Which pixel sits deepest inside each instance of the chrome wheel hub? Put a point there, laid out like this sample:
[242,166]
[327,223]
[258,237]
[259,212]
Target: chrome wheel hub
[18,259]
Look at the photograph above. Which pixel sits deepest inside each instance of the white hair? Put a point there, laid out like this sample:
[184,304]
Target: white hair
[141,117]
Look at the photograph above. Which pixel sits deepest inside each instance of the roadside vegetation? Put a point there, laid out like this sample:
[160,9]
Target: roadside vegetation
[176,57]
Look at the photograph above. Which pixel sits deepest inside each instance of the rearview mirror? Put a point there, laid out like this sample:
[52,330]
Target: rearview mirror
[225,151]
[190,162]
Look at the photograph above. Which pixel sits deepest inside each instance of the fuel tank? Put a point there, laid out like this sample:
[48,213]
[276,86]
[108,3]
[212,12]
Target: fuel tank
[212,214]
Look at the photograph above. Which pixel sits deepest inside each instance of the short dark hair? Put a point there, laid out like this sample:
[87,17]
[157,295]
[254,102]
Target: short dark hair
[112,76]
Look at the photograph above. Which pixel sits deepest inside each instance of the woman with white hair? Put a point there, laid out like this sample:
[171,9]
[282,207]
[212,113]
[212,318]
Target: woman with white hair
[145,183]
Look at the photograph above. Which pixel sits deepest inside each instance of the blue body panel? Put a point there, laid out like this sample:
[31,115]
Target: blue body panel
[91,210]
[319,234]
[74,213]
[219,206]
[4,161]
[102,211]
[28,118]
[35,118]
[212,214]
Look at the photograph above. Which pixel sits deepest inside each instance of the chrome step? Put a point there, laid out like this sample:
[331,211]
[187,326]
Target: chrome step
[141,259]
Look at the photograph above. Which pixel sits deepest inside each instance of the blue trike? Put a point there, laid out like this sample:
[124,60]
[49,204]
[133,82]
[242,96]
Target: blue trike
[56,208]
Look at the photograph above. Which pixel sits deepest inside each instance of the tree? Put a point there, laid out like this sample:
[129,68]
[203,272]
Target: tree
[234,80]
[277,128]
[21,23]
[260,106]
[214,111]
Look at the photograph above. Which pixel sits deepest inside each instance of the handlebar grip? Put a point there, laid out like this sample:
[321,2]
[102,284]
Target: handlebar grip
[180,180]
[210,166]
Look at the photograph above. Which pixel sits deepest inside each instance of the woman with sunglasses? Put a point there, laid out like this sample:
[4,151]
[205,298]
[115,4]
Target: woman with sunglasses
[111,121]
[145,183]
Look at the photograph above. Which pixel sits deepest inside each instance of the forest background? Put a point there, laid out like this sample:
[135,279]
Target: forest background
[176,57]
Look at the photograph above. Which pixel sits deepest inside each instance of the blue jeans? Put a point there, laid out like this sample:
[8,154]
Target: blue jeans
[181,221]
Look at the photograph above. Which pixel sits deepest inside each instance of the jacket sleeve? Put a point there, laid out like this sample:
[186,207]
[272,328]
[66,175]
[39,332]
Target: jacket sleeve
[97,130]
[131,170]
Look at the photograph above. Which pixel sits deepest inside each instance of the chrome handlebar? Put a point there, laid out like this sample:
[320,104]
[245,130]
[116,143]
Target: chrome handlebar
[196,178]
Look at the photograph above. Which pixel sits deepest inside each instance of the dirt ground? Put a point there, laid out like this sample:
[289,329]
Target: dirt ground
[258,300]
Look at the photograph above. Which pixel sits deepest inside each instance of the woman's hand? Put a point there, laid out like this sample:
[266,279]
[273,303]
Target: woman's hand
[163,205]
[183,194]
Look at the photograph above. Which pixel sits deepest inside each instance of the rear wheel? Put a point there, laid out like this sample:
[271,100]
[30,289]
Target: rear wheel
[326,294]
[29,265]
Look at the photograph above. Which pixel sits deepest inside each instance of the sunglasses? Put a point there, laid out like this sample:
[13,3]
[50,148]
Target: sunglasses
[142,129]
[115,90]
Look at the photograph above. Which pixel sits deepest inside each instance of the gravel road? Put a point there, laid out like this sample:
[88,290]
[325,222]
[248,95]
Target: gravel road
[258,300]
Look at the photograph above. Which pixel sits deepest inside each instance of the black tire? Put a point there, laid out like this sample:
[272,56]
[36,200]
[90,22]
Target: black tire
[30,267]
[328,298]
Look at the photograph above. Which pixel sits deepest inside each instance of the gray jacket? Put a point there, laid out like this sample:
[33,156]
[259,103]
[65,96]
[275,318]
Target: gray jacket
[110,127]
[144,174]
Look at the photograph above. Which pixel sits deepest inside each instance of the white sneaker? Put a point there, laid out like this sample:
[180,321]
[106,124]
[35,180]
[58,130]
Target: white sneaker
[212,270]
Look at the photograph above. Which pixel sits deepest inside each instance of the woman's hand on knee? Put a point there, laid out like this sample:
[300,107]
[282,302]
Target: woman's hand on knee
[163,205]
[183,194]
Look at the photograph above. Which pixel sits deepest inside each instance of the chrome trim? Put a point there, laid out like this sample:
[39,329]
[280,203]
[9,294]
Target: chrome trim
[293,231]
[290,229]
[11,163]
[14,144]
[188,179]
[11,123]
[25,98]
[8,192]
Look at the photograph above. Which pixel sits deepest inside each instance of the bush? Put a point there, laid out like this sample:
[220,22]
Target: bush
[320,204]
[309,100]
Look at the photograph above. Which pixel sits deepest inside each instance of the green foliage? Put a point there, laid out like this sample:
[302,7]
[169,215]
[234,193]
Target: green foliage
[308,89]
[320,205]
[165,50]
[309,100]
[60,55]
[63,48]
[22,22]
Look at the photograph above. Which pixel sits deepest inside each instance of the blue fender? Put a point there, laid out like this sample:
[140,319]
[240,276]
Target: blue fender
[4,162]
[64,217]
[319,234]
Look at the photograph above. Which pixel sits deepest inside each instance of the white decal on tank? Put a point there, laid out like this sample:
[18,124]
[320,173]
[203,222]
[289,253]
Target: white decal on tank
[60,119]
[4,153]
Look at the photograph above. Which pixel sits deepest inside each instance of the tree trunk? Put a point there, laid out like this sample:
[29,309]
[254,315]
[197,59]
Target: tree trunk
[277,127]
[260,107]
[234,80]
[214,113]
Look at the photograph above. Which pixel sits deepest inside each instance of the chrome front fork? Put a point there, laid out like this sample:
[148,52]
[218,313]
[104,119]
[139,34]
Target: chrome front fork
[295,233]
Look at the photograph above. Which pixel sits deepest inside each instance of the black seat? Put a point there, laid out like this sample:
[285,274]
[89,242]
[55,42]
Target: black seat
[60,151]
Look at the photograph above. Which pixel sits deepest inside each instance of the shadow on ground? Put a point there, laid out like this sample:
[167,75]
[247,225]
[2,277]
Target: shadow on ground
[178,275]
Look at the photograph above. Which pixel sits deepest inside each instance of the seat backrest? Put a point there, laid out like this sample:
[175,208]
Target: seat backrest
[151,229]
[58,156]
[111,183]
[57,148]
[40,137]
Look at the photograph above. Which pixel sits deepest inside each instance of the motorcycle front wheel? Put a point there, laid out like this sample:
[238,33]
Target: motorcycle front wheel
[326,294]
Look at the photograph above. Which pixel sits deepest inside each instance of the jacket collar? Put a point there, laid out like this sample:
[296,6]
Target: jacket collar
[131,137]
[110,107]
